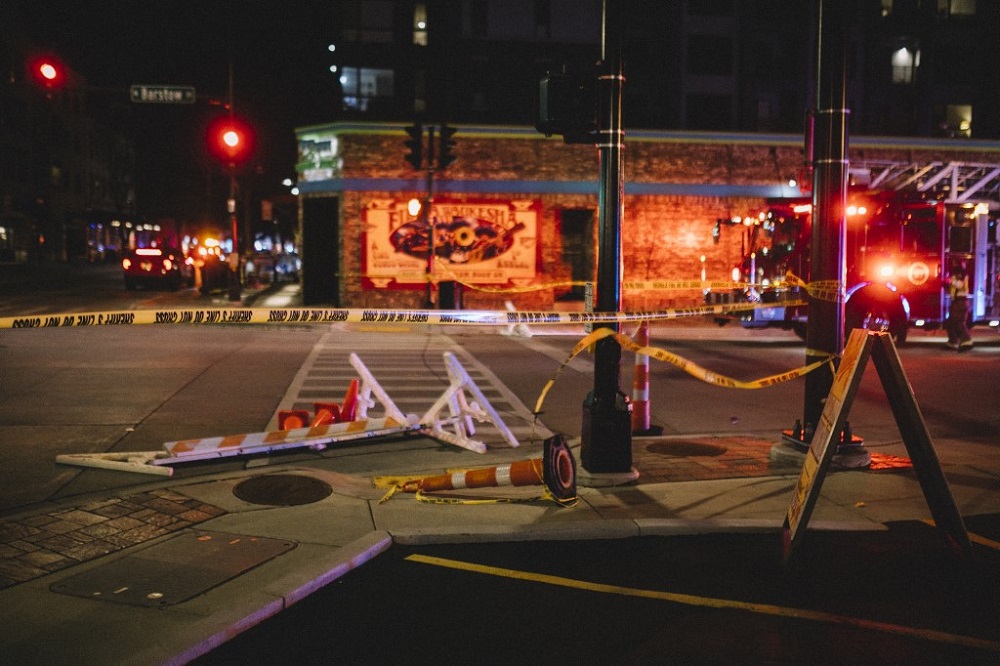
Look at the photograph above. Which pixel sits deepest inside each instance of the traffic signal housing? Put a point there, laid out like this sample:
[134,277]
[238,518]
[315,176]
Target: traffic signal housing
[47,72]
[230,140]
[447,155]
[416,145]
[567,105]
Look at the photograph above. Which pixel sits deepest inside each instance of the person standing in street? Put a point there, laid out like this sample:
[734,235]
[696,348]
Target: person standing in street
[958,309]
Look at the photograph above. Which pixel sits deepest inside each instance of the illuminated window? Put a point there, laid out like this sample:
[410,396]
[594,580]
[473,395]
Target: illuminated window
[420,24]
[957,121]
[904,65]
[363,84]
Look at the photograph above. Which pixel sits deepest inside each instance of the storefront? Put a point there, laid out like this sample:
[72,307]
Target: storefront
[515,218]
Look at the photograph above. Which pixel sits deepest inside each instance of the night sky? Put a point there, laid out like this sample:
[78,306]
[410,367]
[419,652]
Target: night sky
[279,61]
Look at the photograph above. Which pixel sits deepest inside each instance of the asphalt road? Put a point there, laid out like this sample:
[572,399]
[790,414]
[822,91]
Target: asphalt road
[893,597]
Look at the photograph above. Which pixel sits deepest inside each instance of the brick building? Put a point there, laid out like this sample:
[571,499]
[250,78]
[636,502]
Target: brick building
[516,215]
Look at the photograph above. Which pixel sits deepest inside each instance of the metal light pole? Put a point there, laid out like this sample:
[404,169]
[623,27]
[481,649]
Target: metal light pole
[235,288]
[606,444]
[825,332]
[234,257]
[425,213]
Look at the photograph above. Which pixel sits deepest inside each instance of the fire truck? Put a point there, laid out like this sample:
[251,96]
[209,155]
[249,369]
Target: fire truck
[900,250]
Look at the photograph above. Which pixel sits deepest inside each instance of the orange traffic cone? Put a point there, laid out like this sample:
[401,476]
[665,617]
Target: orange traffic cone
[556,470]
[349,408]
[325,414]
[290,419]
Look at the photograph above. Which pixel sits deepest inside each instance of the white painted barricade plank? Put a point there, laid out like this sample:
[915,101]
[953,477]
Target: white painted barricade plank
[143,462]
[369,387]
[277,440]
[462,411]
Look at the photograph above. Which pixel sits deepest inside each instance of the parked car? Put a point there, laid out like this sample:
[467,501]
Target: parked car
[154,266]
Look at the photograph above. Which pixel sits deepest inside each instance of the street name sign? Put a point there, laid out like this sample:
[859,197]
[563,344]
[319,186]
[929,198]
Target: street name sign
[153,94]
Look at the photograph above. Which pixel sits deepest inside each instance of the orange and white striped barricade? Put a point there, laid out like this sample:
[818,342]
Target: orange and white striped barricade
[211,448]
[315,438]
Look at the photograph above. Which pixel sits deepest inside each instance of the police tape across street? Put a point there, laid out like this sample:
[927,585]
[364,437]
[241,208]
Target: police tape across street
[428,317]
[194,316]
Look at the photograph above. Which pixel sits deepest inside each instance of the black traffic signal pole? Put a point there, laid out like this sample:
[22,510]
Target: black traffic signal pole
[825,330]
[606,443]
[235,263]
[425,213]
[445,159]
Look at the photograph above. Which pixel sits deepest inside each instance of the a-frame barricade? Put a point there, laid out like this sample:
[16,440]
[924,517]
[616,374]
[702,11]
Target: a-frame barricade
[462,412]
[369,395]
[862,345]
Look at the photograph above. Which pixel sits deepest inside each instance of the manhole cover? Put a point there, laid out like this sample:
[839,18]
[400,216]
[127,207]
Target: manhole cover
[683,449]
[282,490]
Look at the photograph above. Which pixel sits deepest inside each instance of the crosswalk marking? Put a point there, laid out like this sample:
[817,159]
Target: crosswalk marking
[410,367]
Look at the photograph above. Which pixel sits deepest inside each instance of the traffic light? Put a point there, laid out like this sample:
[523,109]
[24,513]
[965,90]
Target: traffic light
[447,156]
[567,105]
[230,140]
[48,72]
[416,145]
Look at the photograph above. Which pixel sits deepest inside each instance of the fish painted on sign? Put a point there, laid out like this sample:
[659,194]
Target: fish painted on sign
[461,241]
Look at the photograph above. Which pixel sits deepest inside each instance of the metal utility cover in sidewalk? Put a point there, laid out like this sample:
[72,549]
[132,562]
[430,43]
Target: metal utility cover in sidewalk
[175,570]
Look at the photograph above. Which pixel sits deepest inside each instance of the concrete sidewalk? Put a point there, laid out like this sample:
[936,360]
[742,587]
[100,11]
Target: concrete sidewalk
[197,560]
[161,603]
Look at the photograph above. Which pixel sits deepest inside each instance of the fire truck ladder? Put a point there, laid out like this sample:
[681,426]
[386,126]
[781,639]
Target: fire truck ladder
[952,182]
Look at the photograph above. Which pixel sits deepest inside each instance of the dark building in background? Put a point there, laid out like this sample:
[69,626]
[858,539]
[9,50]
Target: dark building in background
[66,179]
[918,67]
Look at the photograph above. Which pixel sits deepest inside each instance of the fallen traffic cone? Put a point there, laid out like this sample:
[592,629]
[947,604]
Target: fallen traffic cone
[291,419]
[556,470]
[324,413]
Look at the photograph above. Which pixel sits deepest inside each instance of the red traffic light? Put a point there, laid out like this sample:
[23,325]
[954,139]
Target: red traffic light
[230,140]
[48,71]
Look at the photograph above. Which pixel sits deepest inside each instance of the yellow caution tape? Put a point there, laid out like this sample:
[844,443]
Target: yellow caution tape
[822,290]
[687,366]
[421,496]
[198,316]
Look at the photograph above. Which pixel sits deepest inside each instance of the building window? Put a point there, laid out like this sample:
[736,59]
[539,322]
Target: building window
[904,65]
[957,7]
[368,21]
[955,120]
[363,84]
[420,24]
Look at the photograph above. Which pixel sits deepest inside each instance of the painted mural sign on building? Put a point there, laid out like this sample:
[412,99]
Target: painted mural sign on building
[475,242]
